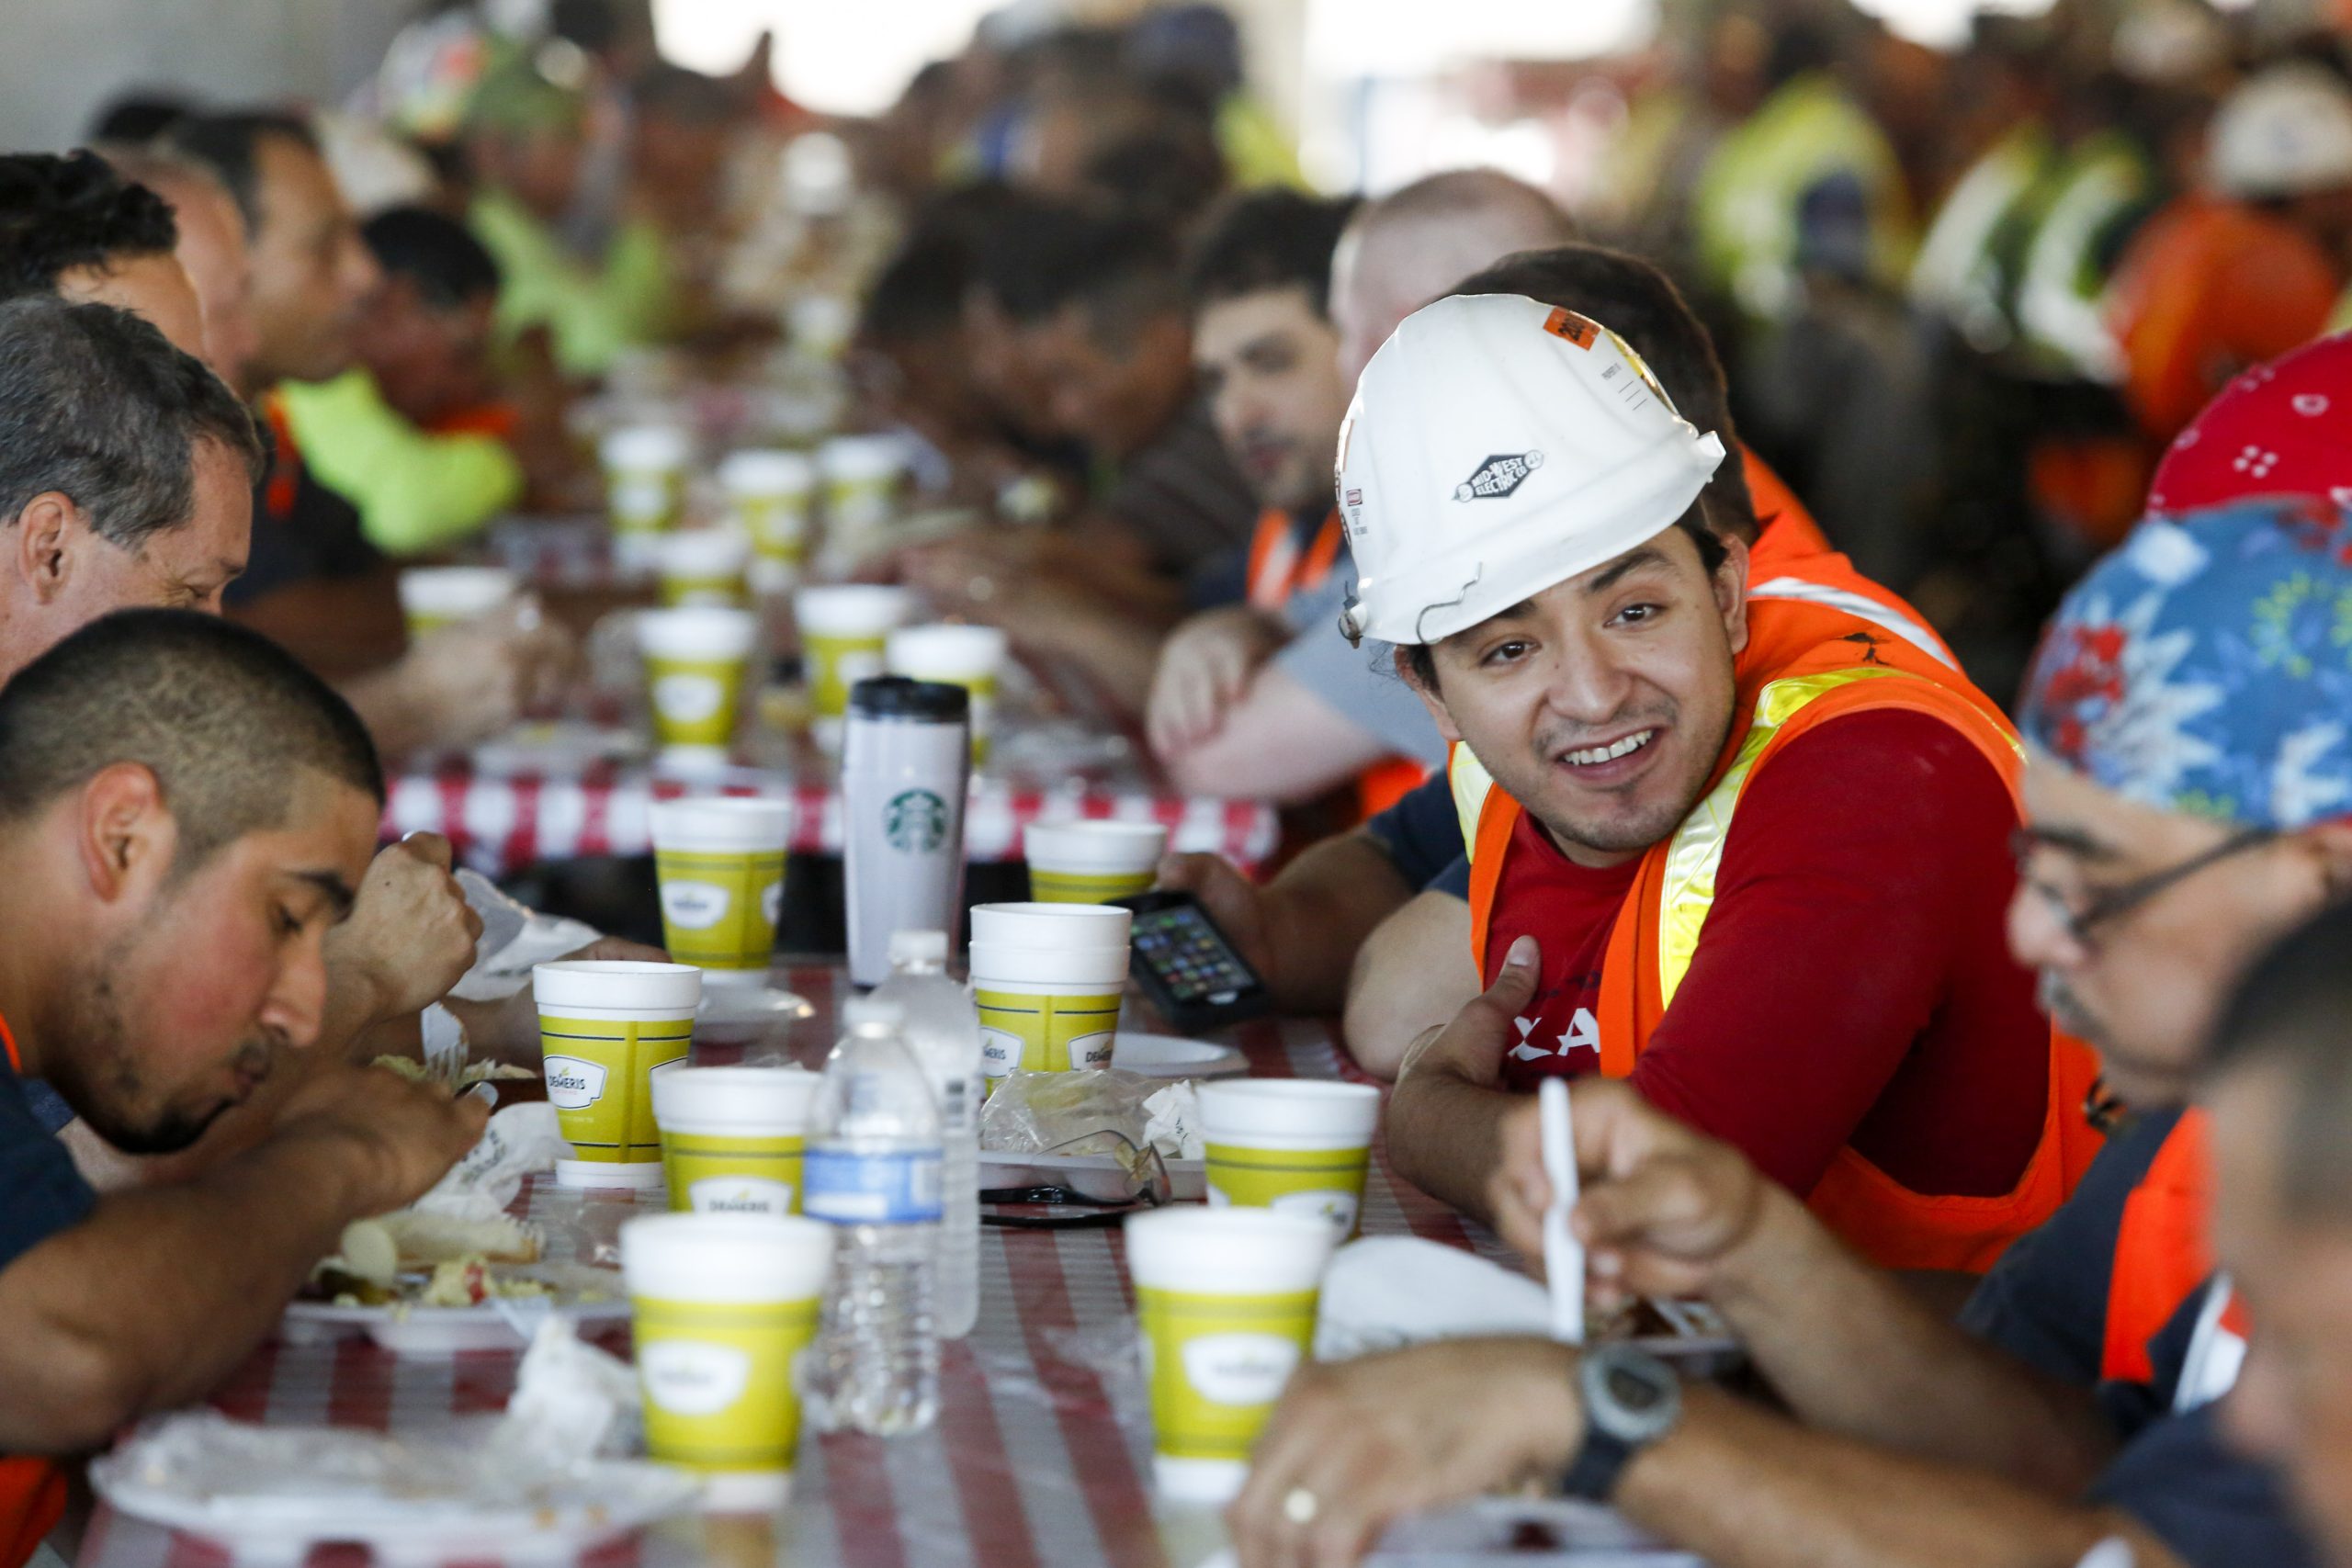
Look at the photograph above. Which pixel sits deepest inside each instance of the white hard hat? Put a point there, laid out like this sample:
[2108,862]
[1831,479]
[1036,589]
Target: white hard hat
[1498,446]
[2285,133]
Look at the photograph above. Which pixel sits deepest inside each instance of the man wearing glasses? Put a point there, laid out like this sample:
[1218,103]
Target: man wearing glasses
[2189,801]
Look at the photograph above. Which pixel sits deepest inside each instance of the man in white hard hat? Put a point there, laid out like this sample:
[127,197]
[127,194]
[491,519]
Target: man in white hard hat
[1755,847]
[2250,266]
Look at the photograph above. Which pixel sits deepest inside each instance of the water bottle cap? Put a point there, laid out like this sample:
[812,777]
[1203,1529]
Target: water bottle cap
[895,696]
[918,947]
[872,1012]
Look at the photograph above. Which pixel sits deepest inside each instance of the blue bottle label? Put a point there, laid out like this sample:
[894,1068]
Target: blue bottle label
[851,1189]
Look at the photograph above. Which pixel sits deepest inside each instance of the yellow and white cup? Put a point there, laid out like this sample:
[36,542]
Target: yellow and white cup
[862,475]
[966,655]
[770,493]
[645,486]
[606,1028]
[719,861]
[436,596]
[695,665]
[1294,1145]
[732,1138]
[1091,862]
[703,567]
[1049,986]
[724,1305]
[845,631]
[1226,1301]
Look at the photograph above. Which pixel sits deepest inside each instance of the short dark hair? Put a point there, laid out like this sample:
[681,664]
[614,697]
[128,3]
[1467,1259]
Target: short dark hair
[434,251]
[1266,240]
[57,214]
[96,404]
[1166,172]
[687,98]
[2292,1012]
[225,718]
[230,145]
[140,114]
[1696,522]
[919,294]
[1040,258]
[1641,305]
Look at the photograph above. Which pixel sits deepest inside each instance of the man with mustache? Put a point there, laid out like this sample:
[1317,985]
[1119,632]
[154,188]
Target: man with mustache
[1710,809]
[2187,791]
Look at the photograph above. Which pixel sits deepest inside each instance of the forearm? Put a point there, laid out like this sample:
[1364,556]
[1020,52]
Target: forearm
[1413,973]
[161,1293]
[1855,1352]
[1746,1489]
[1318,914]
[1445,1135]
[1279,742]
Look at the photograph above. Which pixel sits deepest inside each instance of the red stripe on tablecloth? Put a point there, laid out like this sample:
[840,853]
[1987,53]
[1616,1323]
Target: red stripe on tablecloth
[1115,1496]
[360,1388]
[186,1551]
[523,834]
[245,1396]
[449,786]
[482,1382]
[994,1520]
[808,818]
[857,1484]
[596,809]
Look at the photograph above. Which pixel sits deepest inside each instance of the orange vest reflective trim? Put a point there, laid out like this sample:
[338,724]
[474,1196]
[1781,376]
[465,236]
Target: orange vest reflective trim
[285,473]
[1805,663]
[1279,569]
[2161,1249]
[1777,509]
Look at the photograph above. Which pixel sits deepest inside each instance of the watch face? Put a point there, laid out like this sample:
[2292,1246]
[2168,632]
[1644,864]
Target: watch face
[1633,1390]
[1635,1397]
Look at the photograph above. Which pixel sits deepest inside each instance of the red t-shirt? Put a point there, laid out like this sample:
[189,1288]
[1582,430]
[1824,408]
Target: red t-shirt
[1853,982]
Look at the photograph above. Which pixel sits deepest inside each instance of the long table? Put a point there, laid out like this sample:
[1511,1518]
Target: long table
[1041,1457]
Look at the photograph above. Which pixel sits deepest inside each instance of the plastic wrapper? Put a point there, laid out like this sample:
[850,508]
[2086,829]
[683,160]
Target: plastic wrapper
[519,1141]
[514,937]
[572,1403]
[1078,1112]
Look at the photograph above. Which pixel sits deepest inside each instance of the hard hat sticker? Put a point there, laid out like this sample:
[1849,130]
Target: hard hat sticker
[1498,475]
[1577,330]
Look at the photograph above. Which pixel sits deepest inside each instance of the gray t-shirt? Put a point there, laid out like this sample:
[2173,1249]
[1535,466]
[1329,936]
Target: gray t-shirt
[1358,683]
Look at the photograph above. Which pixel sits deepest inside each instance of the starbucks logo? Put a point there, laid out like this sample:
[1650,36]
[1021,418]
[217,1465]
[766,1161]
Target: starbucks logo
[915,821]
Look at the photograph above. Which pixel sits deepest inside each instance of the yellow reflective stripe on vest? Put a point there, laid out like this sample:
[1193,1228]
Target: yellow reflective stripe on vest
[1687,891]
[1470,783]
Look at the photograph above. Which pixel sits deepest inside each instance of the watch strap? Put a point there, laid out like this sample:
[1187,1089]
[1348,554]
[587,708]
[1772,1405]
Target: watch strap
[1593,1473]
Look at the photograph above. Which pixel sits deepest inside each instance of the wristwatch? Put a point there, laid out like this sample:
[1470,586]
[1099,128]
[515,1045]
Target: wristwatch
[1631,1400]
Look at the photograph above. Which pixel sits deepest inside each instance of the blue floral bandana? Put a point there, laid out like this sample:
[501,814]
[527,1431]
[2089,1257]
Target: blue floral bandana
[2206,666]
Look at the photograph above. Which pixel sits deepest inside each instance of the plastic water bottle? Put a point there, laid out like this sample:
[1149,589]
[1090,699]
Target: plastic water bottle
[872,1170]
[943,1028]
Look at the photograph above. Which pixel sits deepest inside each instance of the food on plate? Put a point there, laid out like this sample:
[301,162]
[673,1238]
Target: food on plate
[469,1281]
[456,1074]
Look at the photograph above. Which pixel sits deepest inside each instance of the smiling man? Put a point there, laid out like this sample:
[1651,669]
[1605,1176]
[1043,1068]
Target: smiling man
[184,814]
[1760,842]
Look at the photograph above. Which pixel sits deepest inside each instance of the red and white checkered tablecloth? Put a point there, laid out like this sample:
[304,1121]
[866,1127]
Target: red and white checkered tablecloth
[1041,1457]
[505,822]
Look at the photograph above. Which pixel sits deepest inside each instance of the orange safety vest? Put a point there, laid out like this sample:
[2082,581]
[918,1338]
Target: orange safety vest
[32,1490]
[1808,660]
[1778,509]
[1279,570]
[2162,1250]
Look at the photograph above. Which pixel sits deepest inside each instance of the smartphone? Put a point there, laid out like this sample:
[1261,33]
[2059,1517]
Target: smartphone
[1188,968]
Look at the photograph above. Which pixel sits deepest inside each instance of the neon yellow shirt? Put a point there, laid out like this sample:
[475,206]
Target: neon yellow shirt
[415,491]
[593,312]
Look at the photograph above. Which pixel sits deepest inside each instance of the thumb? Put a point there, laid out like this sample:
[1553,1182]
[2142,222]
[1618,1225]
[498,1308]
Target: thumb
[1514,988]
[431,847]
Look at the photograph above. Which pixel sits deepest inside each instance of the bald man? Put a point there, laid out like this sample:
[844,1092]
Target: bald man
[1416,243]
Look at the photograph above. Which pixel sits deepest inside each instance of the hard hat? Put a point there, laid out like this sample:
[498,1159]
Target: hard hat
[2285,133]
[1498,446]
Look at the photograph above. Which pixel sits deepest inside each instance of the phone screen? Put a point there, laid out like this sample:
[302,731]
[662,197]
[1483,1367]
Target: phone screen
[1191,959]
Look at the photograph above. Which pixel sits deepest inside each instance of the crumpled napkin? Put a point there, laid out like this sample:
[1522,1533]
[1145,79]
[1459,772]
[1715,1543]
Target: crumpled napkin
[514,937]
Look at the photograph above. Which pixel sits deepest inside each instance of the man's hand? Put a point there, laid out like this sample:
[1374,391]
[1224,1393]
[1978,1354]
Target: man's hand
[410,938]
[1663,1207]
[1444,1119]
[403,1136]
[1236,904]
[1355,1444]
[465,682]
[1473,1046]
[1203,669]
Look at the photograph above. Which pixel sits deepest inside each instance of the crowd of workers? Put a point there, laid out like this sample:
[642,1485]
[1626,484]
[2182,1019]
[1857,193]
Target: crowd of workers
[1869,698]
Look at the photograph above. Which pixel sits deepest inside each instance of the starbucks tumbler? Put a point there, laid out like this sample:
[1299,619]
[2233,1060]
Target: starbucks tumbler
[905,761]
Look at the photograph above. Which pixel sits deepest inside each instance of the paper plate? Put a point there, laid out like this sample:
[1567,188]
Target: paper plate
[1167,1056]
[558,746]
[590,1297]
[273,1493]
[1096,1176]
